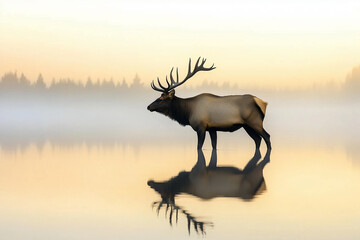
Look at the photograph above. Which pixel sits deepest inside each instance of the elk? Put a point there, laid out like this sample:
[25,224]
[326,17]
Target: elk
[210,113]
[207,182]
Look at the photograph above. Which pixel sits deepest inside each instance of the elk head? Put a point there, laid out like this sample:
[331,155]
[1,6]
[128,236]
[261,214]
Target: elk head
[163,103]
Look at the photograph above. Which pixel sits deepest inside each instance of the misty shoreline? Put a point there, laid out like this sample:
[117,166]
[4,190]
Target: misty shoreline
[107,114]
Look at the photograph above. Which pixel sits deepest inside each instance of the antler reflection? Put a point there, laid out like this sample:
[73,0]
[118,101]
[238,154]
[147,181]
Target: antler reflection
[199,226]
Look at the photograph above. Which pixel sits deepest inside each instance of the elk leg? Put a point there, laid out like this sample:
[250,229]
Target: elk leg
[201,138]
[257,125]
[213,137]
[266,137]
[257,139]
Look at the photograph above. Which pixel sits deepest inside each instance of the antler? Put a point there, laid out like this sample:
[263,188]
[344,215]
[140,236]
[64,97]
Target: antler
[198,225]
[173,84]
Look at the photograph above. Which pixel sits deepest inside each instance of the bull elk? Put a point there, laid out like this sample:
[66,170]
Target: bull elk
[208,112]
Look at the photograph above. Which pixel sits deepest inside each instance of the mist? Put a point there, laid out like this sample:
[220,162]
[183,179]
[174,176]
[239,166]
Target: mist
[109,113]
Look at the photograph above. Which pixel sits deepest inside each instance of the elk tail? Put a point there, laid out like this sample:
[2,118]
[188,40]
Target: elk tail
[261,106]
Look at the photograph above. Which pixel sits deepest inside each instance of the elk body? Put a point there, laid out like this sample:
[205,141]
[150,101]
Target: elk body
[208,112]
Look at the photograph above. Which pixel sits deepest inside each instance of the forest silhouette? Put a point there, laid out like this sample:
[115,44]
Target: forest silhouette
[11,82]
[13,85]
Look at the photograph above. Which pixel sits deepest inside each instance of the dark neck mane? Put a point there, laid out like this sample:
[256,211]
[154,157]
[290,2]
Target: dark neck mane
[180,111]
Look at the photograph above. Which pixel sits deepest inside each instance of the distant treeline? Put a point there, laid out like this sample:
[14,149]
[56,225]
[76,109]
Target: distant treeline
[11,83]
[14,86]
[352,83]
[11,80]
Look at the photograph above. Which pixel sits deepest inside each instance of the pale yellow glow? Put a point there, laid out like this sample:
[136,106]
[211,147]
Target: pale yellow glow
[308,187]
[264,43]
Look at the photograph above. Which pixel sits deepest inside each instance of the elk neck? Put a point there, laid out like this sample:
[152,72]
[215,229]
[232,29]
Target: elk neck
[180,110]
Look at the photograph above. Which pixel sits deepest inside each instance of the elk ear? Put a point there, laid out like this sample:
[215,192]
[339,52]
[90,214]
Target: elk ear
[171,94]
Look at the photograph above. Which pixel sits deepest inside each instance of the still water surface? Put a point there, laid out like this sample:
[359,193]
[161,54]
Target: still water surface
[311,190]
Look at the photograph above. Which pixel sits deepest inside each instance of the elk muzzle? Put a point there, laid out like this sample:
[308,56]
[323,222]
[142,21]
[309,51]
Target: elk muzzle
[151,108]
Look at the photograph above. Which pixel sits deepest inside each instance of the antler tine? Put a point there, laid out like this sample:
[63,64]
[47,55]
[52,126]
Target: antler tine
[177,75]
[167,82]
[155,88]
[171,77]
[189,69]
[197,63]
[161,85]
[203,62]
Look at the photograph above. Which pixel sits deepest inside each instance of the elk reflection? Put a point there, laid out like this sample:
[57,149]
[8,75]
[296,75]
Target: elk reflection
[207,182]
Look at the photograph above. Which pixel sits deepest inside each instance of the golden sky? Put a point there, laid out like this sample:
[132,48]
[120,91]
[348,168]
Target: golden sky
[263,43]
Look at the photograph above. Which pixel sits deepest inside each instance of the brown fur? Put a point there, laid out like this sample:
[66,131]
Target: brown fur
[207,112]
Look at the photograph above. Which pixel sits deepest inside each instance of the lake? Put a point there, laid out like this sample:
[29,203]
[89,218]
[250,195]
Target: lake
[70,183]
